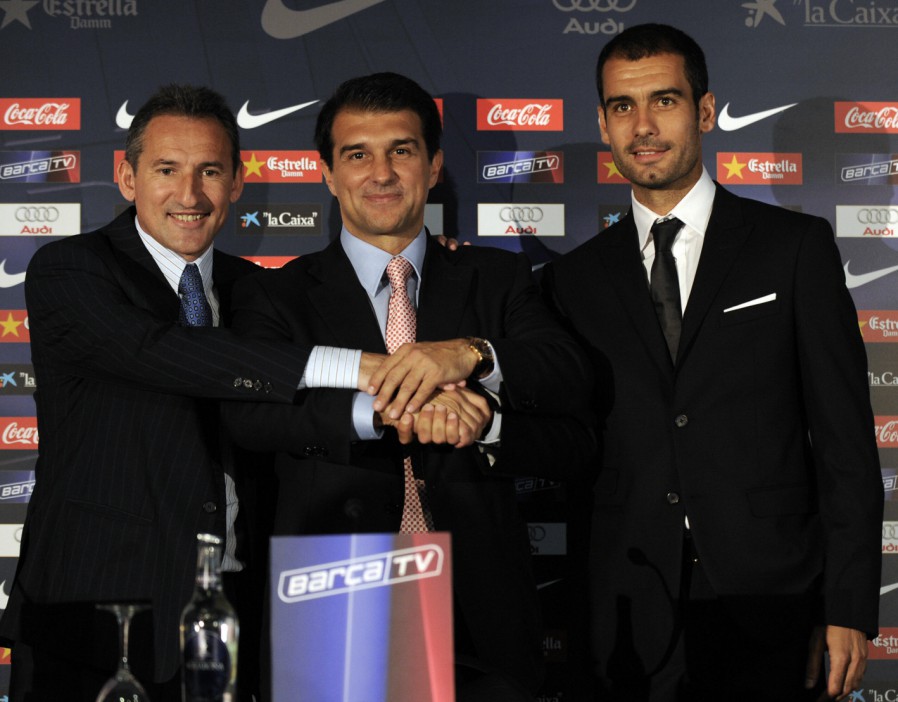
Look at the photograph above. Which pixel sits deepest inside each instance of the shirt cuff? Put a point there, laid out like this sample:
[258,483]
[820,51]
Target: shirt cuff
[363,418]
[331,367]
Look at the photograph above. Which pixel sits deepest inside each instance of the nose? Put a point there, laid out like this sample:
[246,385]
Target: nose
[382,171]
[189,189]
[645,123]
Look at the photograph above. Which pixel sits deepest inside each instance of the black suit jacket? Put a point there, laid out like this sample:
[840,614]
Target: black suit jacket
[330,483]
[762,434]
[130,463]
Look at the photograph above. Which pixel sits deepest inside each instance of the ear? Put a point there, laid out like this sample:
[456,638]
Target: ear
[603,127]
[237,185]
[126,180]
[436,165]
[328,178]
[707,113]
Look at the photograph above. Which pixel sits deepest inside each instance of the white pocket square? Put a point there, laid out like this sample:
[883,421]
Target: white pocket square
[751,303]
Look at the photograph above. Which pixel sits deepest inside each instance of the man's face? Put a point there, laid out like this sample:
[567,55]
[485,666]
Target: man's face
[651,124]
[381,175]
[183,183]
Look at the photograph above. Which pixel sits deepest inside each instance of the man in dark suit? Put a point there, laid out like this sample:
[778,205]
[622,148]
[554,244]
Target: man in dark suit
[478,316]
[738,506]
[132,462]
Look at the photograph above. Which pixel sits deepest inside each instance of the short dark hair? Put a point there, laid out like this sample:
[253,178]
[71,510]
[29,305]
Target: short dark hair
[379,92]
[182,101]
[643,40]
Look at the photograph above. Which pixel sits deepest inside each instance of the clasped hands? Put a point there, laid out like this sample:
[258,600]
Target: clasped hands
[421,391]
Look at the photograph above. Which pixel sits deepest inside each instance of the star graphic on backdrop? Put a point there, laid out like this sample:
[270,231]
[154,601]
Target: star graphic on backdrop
[612,170]
[16,11]
[734,168]
[253,166]
[10,326]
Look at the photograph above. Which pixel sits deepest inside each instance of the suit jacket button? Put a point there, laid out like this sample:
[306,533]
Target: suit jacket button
[210,507]
[268,387]
[673,498]
[257,385]
[681,421]
[238,382]
[247,383]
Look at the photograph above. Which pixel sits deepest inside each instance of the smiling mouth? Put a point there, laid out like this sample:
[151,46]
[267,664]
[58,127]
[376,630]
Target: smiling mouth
[188,217]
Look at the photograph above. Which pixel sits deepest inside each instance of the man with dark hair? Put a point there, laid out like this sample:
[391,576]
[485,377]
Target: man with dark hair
[472,314]
[132,461]
[738,505]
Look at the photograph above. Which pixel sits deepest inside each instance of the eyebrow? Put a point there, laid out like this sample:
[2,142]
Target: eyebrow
[174,162]
[654,94]
[393,144]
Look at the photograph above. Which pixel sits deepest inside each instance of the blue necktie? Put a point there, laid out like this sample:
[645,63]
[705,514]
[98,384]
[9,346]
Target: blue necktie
[195,310]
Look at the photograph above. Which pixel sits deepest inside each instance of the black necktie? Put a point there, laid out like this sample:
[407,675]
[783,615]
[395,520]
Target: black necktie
[195,309]
[665,284]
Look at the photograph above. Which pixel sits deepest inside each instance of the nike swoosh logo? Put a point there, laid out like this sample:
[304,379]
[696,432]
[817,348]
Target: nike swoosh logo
[245,120]
[122,118]
[9,280]
[888,588]
[731,124]
[281,22]
[855,281]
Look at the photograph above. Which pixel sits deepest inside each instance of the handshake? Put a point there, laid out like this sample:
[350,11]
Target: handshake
[421,390]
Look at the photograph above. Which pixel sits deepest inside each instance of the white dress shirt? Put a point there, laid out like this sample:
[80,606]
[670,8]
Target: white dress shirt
[694,211]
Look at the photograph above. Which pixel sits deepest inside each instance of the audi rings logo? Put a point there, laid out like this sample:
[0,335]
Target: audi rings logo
[521,214]
[37,213]
[537,532]
[878,215]
[520,219]
[594,5]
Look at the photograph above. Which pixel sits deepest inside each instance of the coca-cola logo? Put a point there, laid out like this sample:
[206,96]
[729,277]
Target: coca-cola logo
[886,118]
[20,432]
[516,114]
[530,115]
[55,113]
[40,113]
[887,432]
[867,117]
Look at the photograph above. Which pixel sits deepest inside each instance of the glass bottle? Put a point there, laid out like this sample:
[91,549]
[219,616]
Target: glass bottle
[209,631]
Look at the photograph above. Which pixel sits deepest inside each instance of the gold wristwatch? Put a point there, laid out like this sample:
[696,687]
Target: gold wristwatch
[485,360]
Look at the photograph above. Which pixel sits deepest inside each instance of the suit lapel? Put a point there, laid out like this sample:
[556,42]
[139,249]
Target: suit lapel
[342,303]
[444,295]
[726,233]
[140,276]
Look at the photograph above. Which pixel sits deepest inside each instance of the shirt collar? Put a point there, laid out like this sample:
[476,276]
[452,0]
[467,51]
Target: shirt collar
[172,265]
[694,210]
[369,261]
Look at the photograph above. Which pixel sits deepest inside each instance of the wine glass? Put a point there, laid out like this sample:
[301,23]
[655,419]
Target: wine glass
[123,686]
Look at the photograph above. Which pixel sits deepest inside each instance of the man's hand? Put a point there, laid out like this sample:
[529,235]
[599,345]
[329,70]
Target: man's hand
[449,243]
[369,363]
[415,371]
[847,660]
[456,417]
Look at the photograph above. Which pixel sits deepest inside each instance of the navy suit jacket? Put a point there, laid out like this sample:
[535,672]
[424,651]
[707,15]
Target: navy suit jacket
[762,434]
[332,484]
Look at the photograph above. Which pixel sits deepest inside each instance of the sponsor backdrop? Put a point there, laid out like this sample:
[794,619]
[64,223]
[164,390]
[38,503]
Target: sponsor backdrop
[808,119]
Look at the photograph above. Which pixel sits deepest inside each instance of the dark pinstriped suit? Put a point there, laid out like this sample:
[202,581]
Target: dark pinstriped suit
[130,460]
